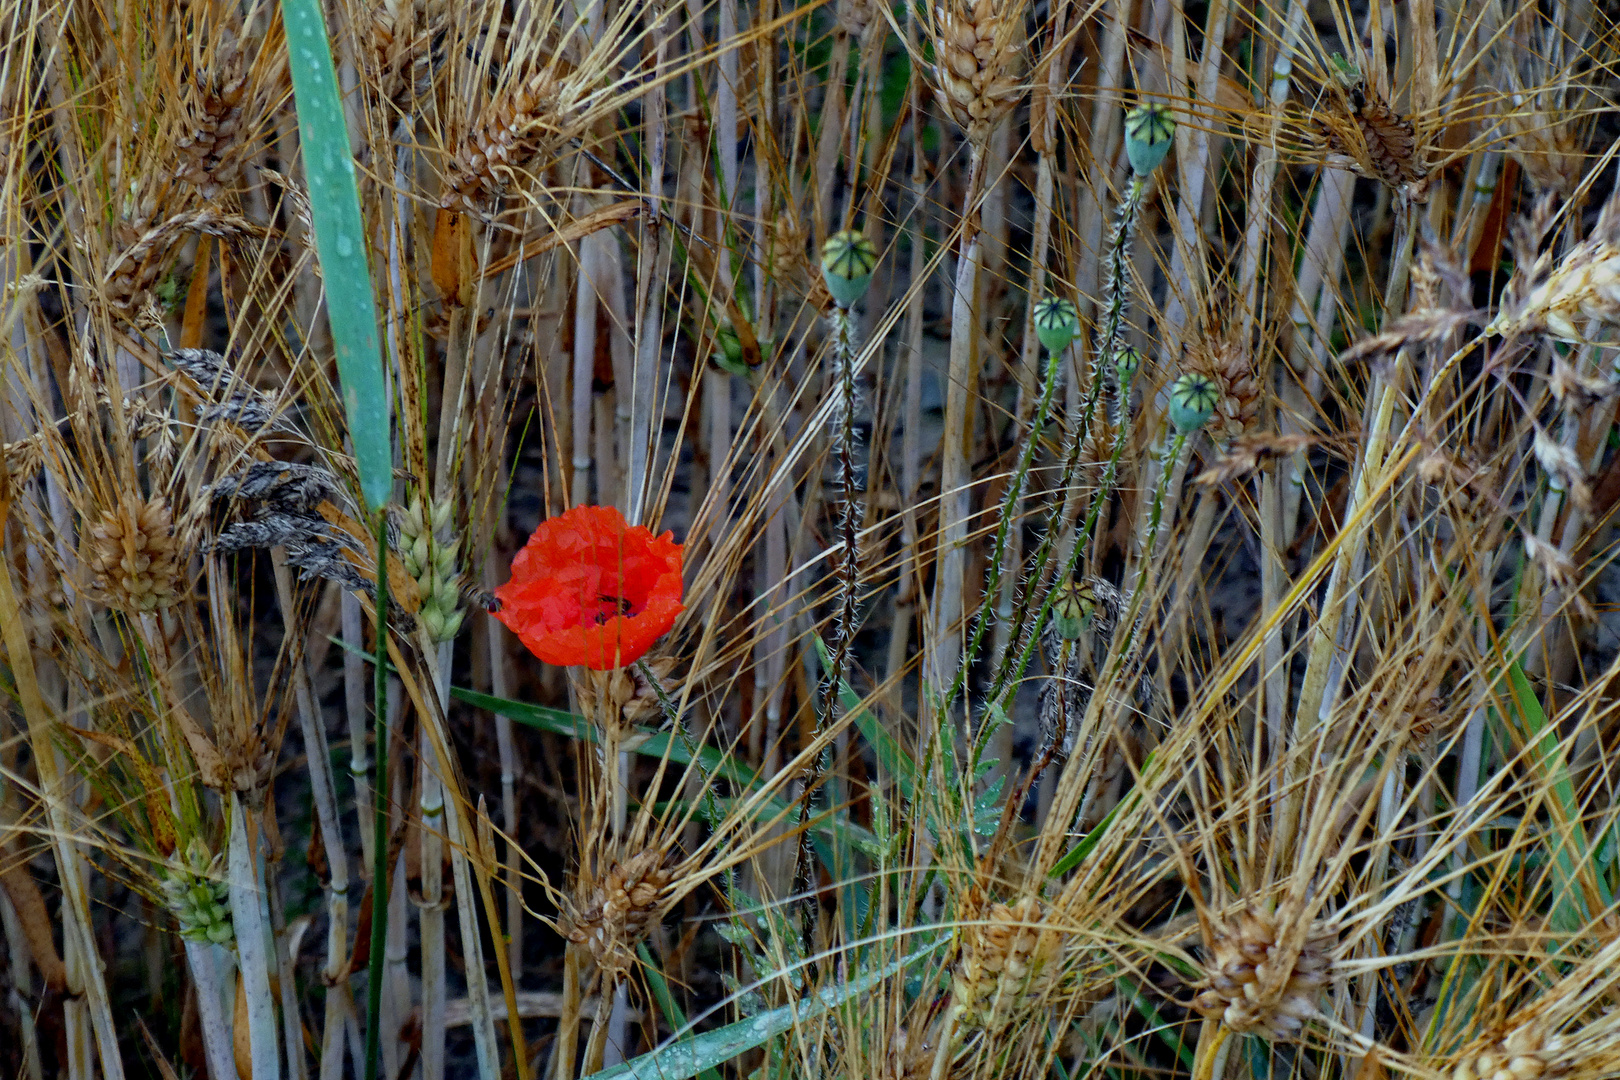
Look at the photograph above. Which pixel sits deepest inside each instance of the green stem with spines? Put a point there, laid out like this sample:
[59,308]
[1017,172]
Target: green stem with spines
[1116,299]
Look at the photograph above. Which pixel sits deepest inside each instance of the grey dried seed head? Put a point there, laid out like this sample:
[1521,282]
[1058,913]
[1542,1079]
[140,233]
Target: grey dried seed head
[281,486]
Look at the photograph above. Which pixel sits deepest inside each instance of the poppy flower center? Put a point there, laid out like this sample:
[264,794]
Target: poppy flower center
[611,607]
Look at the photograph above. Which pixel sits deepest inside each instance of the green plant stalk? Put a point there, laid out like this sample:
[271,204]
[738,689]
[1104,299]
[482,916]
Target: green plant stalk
[380,871]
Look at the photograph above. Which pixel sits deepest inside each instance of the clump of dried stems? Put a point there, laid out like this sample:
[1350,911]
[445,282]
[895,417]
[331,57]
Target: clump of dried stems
[988,745]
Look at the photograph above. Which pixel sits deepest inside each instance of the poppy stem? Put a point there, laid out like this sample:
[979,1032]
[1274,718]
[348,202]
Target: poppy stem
[380,868]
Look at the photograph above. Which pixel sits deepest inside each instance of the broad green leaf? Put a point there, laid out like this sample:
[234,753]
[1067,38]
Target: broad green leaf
[680,1060]
[340,241]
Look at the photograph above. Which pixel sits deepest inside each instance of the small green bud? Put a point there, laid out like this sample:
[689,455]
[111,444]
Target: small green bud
[1148,131]
[847,261]
[1127,361]
[1056,323]
[441,515]
[220,933]
[447,593]
[418,552]
[1071,612]
[444,557]
[432,620]
[728,353]
[412,523]
[1192,400]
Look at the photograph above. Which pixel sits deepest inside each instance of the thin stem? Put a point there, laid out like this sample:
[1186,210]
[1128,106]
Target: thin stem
[379,878]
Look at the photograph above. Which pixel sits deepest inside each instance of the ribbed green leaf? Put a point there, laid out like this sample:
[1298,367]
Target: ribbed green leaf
[688,1057]
[340,241]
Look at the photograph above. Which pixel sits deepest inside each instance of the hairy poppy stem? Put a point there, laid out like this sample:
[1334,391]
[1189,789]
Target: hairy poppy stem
[381,867]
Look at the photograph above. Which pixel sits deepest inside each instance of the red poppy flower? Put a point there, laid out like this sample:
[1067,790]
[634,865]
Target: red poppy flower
[590,589]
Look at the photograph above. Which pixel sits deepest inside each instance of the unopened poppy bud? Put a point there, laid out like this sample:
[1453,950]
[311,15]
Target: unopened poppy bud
[1056,323]
[1127,361]
[1071,612]
[1148,131]
[847,261]
[1192,400]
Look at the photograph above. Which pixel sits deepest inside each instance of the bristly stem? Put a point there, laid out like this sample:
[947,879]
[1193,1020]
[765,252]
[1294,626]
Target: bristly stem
[380,868]
[848,568]
[843,357]
[1009,506]
[1116,301]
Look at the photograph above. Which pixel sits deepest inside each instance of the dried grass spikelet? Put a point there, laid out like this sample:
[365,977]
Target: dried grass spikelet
[623,696]
[979,45]
[135,555]
[1545,145]
[1232,368]
[208,148]
[1266,971]
[1528,1052]
[610,915]
[1584,284]
[402,48]
[856,16]
[510,133]
[1364,134]
[143,245]
[1010,960]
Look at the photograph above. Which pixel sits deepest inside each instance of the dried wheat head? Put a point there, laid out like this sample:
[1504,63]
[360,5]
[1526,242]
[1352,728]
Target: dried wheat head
[610,915]
[1010,961]
[509,135]
[135,556]
[979,47]
[1266,971]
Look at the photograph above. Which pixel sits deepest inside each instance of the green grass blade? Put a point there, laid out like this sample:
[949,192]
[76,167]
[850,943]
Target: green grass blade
[340,241]
[666,1000]
[680,1060]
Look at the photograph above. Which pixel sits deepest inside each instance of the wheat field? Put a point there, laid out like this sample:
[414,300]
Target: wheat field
[996,539]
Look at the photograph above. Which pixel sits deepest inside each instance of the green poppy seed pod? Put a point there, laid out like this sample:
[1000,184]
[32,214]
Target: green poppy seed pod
[1127,361]
[1071,612]
[847,261]
[1148,131]
[1192,400]
[1056,323]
